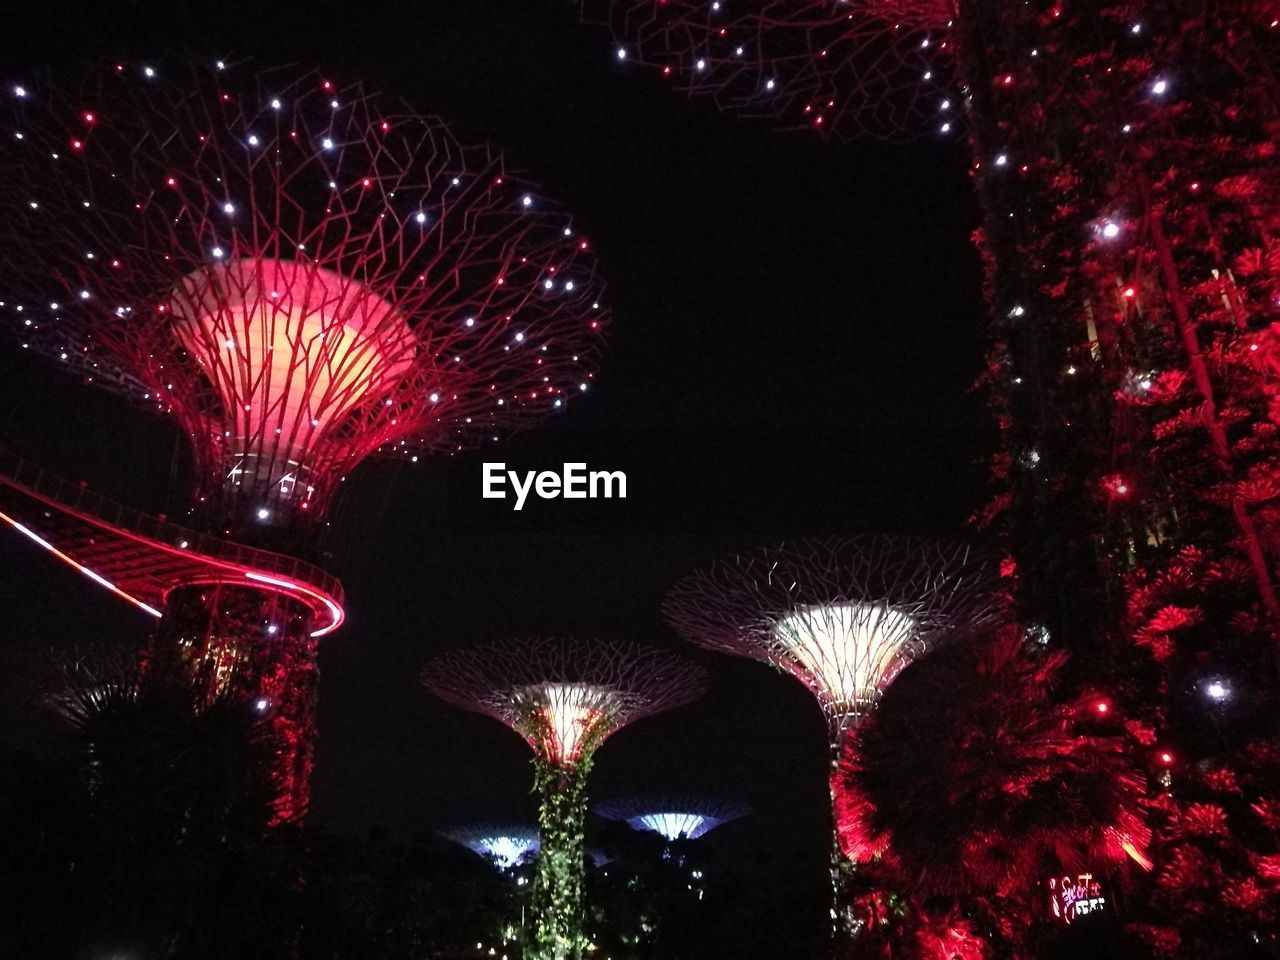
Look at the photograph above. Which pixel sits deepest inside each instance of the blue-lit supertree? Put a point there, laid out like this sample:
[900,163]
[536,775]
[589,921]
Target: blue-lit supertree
[672,817]
[506,846]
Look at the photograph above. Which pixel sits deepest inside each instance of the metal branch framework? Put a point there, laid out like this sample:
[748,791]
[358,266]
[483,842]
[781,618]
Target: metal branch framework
[841,616]
[505,845]
[301,273]
[846,67]
[564,697]
[674,817]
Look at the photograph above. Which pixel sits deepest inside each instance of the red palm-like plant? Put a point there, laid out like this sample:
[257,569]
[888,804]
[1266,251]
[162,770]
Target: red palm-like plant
[972,778]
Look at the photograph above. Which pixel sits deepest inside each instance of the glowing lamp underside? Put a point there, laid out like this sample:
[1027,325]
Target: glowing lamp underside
[506,852]
[292,351]
[848,653]
[568,714]
[673,826]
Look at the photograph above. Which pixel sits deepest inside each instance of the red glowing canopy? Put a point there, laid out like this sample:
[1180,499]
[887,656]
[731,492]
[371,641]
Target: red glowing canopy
[300,273]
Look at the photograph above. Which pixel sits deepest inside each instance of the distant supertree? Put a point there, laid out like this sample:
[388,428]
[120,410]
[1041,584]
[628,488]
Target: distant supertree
[565,698]
[505,845]
[302,275]
[843,617]
[675,817]
[846,67]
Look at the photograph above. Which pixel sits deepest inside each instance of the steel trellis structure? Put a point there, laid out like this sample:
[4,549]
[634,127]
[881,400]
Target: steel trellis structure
[846,67]
[841,616]
[298,271]
[673,817]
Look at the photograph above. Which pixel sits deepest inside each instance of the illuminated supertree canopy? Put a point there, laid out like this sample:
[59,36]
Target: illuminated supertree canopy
[301,273]
[841,616]
[868,67]
[506,845]
[675,817]
[844,617]
[565,698]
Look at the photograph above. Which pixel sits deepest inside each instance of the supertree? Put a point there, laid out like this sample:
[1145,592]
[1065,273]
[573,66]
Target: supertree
[843,617]
[673,817]
[505,845]
[565,698]
[300,274]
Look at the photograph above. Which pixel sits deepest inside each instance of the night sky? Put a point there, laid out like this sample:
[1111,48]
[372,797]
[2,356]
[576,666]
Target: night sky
[796,326]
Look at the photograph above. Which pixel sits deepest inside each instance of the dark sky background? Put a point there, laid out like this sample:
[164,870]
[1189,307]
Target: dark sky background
[796,325]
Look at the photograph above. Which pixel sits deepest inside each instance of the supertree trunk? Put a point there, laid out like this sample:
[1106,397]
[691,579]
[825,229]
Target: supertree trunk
[558,902]
[844,929]
[256,646]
